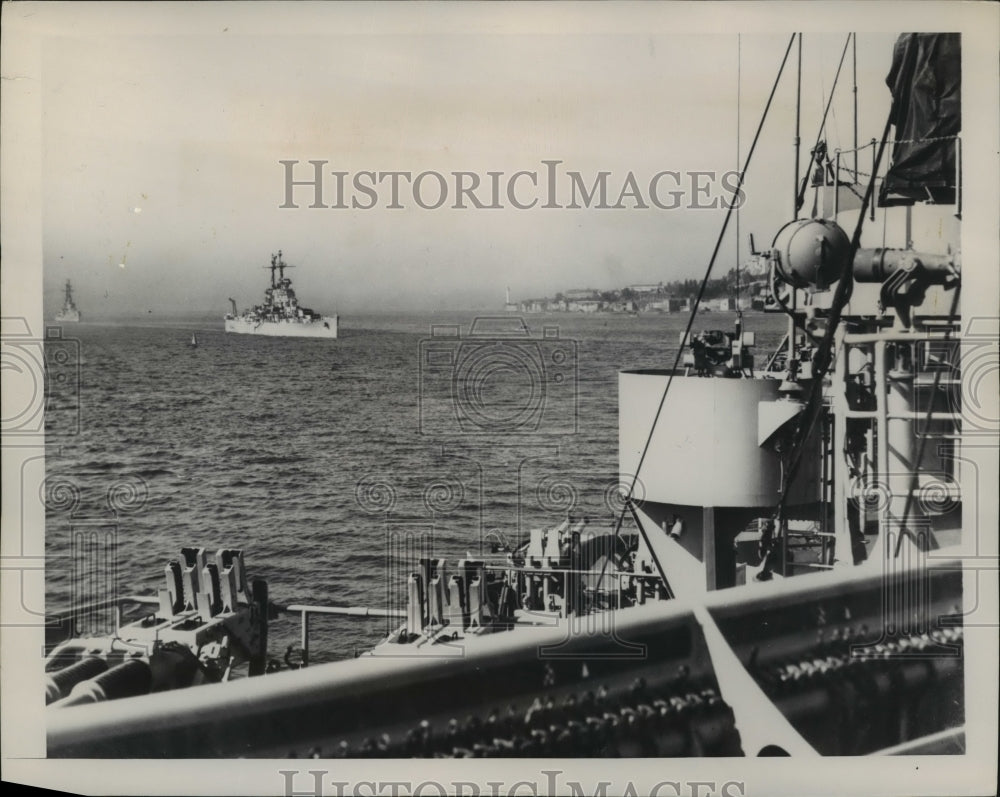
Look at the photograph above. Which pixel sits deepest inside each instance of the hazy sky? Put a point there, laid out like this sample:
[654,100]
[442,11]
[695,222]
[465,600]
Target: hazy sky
[162,140]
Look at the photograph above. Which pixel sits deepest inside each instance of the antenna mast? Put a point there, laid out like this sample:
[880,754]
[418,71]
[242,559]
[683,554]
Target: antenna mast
[854,89]
[739,66]
[798,139]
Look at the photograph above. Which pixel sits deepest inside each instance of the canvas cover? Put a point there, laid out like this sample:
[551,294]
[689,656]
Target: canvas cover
[925,80]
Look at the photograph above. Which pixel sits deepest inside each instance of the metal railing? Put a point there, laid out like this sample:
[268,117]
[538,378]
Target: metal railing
[306,611]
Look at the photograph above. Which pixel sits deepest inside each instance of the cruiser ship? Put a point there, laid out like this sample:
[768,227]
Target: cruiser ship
[280,315]
[784,577]
[69,313]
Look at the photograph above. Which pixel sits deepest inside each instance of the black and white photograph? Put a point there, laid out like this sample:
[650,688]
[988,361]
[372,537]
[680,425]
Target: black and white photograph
[608,388]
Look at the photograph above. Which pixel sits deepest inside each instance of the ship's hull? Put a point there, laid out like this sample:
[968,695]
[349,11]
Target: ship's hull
[68,318]
[326,327]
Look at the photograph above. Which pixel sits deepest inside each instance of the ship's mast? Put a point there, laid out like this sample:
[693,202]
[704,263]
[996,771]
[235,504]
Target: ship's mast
[278,264]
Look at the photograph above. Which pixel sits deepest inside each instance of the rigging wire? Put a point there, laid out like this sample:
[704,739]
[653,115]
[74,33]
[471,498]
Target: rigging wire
[694,309]
[801,196]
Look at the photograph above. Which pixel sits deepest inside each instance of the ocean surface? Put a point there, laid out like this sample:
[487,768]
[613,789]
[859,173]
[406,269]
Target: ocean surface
[333,464]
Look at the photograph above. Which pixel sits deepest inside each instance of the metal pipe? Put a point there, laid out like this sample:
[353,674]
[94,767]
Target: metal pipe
[842,544]
[881,428]
[350,611]
[790,335]
[826,496]
[143,599]
[786,567]
[911,415]
[901,450]
[544,570]
[878,264]
[891,335]
[836,184]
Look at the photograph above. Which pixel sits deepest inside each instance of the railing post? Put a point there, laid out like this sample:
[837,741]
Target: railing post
[565,590]
[305,638]
[874,162]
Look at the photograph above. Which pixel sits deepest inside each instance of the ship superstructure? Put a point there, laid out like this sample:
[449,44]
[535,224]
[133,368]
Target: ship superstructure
[791,580]
[280,314]
[847,449]
[69,313]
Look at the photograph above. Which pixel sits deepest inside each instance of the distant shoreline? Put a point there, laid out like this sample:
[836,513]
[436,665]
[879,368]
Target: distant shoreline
[205,318]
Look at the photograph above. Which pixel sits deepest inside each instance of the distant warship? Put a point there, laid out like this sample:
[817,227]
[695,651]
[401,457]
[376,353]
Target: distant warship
[69,312]
[281,315]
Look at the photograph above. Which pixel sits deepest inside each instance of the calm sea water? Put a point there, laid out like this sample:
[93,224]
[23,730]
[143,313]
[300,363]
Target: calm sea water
[330,462]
